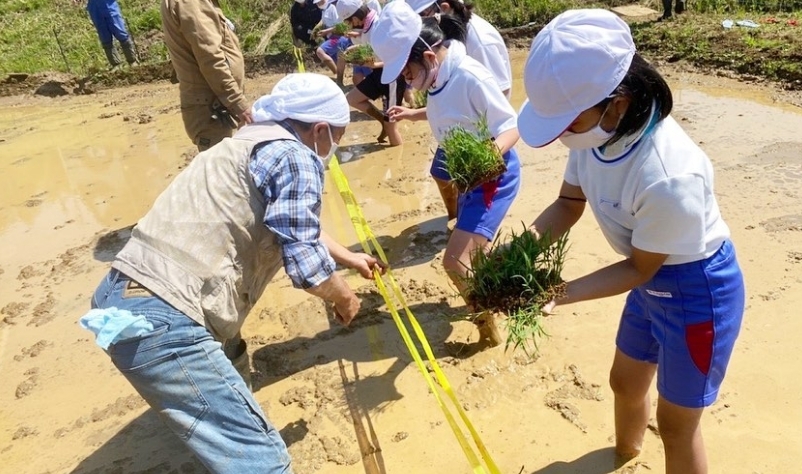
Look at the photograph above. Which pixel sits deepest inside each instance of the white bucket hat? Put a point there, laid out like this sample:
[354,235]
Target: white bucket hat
[306,97]
[346,8]
[420,5]
[395,32]
[575,62]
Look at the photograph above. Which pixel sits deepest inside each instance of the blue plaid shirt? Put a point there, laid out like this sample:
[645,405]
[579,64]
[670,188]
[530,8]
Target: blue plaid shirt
[290,178]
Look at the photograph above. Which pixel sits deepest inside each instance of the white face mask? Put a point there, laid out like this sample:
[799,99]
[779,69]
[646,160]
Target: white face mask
[593,138]
[332,148]
[423,80]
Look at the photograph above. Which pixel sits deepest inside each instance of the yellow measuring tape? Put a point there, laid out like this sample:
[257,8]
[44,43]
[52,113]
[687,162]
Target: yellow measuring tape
[366,237]
[299,58]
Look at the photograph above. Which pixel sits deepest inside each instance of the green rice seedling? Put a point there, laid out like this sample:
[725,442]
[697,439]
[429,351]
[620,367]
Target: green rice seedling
[517,278]
[341,29]
[419,99]
[359,54]
[471,159]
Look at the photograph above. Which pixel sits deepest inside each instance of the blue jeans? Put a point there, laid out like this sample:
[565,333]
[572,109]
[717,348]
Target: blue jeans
[108,21]
[183,374]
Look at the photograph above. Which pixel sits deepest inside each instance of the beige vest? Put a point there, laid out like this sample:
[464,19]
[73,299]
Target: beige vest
[203,246]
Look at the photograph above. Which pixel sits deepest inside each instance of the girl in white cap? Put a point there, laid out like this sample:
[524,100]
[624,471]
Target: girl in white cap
[362,18]
[651,190]
[461,93]
[483,41]
[201,258]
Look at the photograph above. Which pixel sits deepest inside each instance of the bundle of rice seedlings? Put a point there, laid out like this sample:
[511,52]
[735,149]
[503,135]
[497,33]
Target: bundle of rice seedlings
[419,99]
[471,159]
[341,29]
[517,278]
[359,54]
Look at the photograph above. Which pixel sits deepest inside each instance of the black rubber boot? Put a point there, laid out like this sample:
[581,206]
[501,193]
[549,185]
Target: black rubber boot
[236,350]
[111,55]
[129,50]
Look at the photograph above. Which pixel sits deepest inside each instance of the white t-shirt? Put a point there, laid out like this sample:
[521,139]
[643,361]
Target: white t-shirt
[656,195]
[364,38]
[485,44]
[463,92]
[330,17]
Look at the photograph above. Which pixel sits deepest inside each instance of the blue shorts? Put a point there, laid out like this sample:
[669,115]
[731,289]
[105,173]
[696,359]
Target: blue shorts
[686,320]
[364,70]
[481,211]
[331,47]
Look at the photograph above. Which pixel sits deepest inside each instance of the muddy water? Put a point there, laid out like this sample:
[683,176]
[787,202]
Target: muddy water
[77,172]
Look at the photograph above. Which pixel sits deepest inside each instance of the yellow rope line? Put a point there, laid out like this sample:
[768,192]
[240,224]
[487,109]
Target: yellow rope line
[366,238]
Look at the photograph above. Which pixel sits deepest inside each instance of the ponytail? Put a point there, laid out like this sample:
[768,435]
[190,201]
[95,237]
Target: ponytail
[460,9]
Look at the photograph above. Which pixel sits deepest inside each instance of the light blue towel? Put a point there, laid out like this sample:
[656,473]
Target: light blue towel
[111,325]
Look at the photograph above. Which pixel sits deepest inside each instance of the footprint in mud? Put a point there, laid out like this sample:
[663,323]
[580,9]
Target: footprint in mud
[13,310]
[790,222]
[28,385]
[575,388]
[30,271]
[33,202]
[120,407]
[43,312]
[325,432]
[33,351]
[24,432]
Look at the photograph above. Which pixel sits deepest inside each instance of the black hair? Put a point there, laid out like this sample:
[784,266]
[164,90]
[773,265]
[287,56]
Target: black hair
[302,126]
[434,31]
[460,9]
[360,14]
[644,87]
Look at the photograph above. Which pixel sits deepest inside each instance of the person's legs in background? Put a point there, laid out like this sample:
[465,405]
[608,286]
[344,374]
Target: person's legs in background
[327,53]
[104,32]
[117,26]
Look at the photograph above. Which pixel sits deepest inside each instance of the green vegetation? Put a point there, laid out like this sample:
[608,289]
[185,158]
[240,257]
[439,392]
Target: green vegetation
[359,54]
[419,99]
[341,29]
[32,30]
[518,278]
[471,159]
[772,51]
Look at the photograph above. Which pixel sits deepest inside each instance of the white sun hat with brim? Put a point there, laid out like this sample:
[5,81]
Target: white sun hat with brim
[575,62]
[306,97]
[347,8]
[419,5]
[394,33]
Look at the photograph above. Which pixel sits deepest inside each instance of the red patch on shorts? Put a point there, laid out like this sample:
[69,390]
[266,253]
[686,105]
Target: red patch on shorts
[490,189]
[699,338]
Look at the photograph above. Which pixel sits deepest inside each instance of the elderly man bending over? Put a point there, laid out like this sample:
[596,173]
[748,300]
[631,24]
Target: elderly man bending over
[203,255]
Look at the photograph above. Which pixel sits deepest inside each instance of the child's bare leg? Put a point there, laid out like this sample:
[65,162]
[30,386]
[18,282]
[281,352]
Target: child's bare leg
[681,433]
[326,59]
[630,380]
[450,196]
[457,261]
